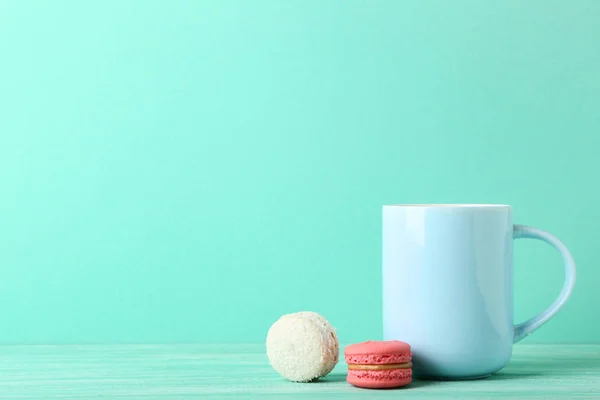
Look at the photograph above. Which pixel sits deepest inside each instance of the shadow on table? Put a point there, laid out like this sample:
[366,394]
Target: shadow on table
[333,377]
[419,383]
[546,365]
[341,377]
[540,365]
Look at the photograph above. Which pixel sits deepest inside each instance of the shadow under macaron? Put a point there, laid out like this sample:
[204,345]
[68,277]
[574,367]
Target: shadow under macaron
[332,377]
[341,377]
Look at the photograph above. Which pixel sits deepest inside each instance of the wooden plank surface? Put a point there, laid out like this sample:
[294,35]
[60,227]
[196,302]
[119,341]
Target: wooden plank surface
[242,371]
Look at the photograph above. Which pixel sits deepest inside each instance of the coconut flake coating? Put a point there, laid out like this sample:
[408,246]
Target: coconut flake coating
[302,346]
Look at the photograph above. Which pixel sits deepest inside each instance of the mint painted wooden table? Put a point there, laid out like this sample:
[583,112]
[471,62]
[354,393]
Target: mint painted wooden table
[242,371]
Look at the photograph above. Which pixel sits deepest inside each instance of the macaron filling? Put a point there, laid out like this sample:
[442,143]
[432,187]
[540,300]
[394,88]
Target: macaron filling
[379,367]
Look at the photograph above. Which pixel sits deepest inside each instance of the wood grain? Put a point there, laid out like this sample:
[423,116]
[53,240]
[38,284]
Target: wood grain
[242,371]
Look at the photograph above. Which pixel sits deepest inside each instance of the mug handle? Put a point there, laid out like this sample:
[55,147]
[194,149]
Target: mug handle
[526,328]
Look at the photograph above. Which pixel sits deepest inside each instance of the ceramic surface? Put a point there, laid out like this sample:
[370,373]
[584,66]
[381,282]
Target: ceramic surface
[448,286]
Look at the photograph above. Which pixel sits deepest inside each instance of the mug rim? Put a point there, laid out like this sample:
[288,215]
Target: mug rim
[449,205]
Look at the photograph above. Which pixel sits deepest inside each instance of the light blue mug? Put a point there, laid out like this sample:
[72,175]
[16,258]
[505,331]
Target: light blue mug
[448,286]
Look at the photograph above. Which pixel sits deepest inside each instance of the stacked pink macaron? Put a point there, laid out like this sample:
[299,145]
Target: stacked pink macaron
[379,365]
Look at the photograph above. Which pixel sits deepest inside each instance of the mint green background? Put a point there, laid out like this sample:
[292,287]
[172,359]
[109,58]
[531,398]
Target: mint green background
[190,170]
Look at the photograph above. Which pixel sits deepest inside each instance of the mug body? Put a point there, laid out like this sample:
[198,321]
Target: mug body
[447,287]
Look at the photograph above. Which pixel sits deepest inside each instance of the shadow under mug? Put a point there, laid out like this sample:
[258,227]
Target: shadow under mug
[448,286]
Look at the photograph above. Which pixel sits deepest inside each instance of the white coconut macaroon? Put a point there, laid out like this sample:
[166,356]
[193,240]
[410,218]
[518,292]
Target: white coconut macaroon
[302,346]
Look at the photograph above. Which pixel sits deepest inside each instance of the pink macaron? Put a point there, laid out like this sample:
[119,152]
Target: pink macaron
[379,365]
